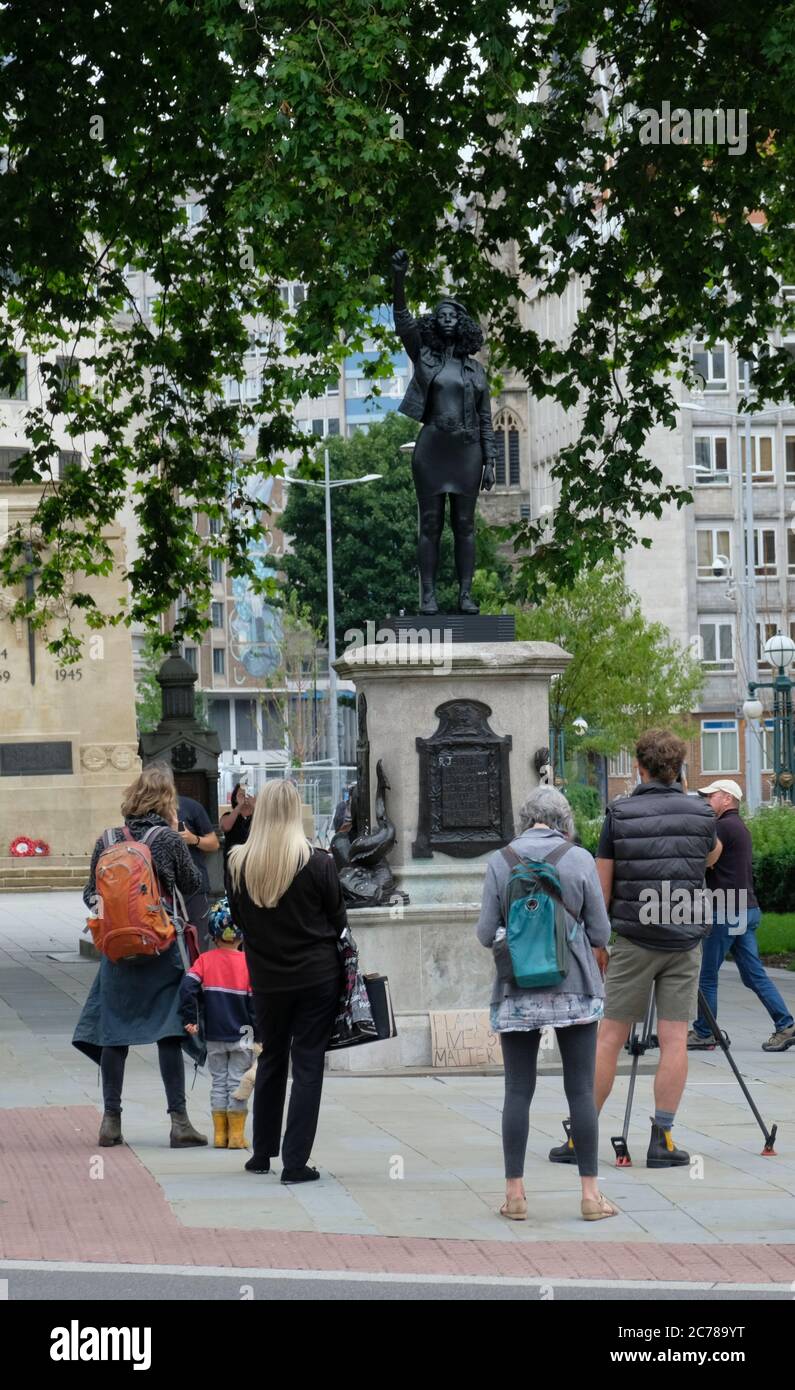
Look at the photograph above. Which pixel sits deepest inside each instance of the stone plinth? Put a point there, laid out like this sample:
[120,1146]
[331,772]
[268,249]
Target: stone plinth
[80,718]
[434,962]
[404,684]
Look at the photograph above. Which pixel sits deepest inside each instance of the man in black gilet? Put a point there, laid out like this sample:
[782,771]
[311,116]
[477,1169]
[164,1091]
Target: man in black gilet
[653,852]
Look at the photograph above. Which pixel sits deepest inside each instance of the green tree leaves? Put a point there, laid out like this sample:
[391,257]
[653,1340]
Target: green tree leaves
[516,166]
[626,674]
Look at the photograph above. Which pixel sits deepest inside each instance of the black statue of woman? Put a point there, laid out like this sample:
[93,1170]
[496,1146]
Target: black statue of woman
[455,449]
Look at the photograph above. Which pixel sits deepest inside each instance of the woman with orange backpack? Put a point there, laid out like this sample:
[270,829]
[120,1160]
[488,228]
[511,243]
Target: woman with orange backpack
[135,997]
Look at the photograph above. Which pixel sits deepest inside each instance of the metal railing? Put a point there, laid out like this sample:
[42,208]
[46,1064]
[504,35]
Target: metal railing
[317,783]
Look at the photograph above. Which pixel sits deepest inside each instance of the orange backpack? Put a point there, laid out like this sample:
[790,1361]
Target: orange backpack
[131,918]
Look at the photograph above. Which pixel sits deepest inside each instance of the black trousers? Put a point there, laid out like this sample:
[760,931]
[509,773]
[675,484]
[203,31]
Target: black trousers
[293,1026]
[172,1070]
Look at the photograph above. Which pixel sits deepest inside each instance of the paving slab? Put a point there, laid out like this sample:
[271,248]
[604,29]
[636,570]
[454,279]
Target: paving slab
[736,1219]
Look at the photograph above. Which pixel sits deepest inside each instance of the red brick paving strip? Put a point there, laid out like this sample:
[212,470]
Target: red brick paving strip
[53,1210]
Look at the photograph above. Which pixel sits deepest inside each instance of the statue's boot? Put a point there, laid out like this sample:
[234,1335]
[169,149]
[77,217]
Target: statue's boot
[429,604]
[466,603]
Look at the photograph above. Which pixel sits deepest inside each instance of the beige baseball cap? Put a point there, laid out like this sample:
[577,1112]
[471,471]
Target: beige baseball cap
[723,785]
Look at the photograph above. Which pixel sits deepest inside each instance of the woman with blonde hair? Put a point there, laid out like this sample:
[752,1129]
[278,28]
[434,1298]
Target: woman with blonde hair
[136,1001]
[286,898]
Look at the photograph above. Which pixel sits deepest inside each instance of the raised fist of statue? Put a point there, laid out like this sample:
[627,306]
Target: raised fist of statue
[400,264]
[487,481]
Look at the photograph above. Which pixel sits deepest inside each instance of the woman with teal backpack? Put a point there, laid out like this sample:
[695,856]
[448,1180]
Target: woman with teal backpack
[543,916]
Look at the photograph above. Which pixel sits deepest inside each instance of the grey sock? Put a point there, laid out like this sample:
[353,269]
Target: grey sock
[664,1118]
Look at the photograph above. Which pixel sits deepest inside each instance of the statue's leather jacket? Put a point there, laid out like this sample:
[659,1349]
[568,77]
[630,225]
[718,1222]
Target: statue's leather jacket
[427,363]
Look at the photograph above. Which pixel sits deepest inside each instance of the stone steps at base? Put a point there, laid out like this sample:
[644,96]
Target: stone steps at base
[39,877]
[39,887]
[36,875]
[32,868]
[11,863]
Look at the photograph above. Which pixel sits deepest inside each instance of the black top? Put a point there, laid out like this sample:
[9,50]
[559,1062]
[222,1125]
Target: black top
[196,820]
[237,834]
[294,944]
[445,403]
[734,869]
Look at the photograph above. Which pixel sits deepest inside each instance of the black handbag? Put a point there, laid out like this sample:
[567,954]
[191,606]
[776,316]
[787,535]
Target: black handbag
[377,987]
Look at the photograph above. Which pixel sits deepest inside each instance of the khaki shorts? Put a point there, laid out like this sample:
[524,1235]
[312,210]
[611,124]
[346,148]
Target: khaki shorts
[633,972]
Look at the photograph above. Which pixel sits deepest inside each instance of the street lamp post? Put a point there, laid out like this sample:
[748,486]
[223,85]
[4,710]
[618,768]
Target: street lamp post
[333,728]
[753,762]
[580,727]
[780,651]
[332,735]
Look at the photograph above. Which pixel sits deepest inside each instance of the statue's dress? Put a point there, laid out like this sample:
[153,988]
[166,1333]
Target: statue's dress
[448,457]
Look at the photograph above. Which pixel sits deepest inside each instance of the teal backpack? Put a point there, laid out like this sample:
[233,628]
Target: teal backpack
[534,953]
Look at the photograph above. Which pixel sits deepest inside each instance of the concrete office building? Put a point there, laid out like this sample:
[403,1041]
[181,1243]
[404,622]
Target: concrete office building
[677,580]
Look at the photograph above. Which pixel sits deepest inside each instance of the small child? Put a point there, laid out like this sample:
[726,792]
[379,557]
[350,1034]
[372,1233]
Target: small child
[219,980]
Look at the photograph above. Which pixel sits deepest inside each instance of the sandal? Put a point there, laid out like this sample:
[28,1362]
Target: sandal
[514,1208]
[597,1208]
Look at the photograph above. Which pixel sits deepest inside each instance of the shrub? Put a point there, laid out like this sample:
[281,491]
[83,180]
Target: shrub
[584,801]
[773,835]
[588,831]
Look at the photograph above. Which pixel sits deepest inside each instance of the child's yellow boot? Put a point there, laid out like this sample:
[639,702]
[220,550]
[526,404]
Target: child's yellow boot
[237,1125]
[220,1128]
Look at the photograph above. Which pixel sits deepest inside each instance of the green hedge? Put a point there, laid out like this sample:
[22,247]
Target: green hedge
[588,830]
[773,835]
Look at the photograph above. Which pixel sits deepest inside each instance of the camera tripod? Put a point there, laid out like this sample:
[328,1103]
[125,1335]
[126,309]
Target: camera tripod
[638,1044]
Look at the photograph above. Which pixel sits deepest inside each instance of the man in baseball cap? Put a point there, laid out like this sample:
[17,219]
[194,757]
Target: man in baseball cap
[736,917]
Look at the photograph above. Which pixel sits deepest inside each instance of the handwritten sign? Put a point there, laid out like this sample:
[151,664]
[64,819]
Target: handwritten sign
[463,1038]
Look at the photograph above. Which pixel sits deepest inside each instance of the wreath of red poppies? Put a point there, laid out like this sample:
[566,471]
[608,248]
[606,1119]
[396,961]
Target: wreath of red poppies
[25,847]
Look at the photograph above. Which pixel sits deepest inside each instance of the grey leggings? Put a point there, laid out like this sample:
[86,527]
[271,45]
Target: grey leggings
[577,1045]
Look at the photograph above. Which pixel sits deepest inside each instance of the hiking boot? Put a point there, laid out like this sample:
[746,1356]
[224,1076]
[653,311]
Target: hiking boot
[663,1153]
[564,1153]
[183,1135]
[780,1040]
[110,1130]
[695,1041]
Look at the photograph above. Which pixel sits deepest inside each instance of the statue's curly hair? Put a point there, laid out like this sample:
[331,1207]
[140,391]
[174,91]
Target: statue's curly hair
[468,334]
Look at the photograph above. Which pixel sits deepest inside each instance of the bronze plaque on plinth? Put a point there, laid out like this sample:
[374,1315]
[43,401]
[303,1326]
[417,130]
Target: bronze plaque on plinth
[465,784]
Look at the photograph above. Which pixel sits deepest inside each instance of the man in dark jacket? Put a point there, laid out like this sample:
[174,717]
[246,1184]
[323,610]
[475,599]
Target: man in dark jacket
[652,856]
[735,918]
[654,849]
